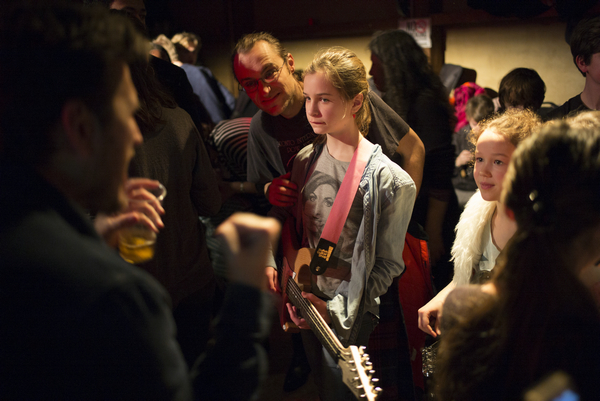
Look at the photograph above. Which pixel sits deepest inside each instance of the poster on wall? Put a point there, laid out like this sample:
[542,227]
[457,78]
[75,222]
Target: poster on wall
[420,29]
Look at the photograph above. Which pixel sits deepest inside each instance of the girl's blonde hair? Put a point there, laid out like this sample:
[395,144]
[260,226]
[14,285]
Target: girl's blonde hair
[347,74]
[514,124]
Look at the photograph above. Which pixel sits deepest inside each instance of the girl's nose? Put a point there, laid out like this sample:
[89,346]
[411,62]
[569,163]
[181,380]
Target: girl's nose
[484,171]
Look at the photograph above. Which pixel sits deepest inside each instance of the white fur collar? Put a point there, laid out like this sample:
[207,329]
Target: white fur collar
[468,246]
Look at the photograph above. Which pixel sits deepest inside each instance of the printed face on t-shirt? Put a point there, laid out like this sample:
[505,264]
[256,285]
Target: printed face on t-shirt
[317,207]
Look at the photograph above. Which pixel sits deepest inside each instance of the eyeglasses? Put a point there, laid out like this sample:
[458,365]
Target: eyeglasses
[271,76]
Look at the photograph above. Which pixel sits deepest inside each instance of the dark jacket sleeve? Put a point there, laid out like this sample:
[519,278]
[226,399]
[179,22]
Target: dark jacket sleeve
[387,128]
[234,367]
[137,356]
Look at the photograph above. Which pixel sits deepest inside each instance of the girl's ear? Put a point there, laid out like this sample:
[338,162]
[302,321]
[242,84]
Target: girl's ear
[357,103]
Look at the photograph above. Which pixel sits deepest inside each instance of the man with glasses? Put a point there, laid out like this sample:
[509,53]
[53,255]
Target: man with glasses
[265,71]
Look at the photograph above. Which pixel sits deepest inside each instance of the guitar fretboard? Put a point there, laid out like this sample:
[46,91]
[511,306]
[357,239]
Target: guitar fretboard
[315,321]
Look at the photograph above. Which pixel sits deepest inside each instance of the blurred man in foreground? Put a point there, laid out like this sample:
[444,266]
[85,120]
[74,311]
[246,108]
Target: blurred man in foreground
[79,322]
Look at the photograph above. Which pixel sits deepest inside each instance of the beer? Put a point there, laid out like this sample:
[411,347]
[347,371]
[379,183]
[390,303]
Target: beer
[136,244]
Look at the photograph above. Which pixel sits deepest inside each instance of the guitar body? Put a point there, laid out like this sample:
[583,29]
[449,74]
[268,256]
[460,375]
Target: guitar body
[357,371]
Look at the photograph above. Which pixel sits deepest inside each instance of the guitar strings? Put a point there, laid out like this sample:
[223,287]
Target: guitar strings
[320,328]
[295,293]
[307,306]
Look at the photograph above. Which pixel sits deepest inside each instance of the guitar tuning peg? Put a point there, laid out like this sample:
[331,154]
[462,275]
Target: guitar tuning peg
[352,370]
[371,372]
[374,380]
[365,356]
[369,364]
[362,348]
[377,390]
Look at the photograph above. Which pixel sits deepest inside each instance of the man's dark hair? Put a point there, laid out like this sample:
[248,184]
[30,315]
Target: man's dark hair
[52,52]
[585,40]
[522,87]
[247,42]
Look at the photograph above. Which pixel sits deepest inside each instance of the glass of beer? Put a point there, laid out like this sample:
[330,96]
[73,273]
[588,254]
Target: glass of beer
[136,243]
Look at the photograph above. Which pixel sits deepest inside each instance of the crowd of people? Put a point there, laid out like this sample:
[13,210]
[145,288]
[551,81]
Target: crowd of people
[482,237]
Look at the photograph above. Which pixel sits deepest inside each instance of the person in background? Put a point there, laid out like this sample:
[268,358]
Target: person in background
[519,328]
[78,321]
[171,77]
[522,88]
[585,48]
[214,96]
[478,108]
[159,52]
[461,96]
[169,47]
[227,149]
[402,72]
[174,154]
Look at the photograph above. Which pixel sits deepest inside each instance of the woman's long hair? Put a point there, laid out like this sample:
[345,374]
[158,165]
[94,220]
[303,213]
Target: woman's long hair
[152,95]
[407,71]
[553,188]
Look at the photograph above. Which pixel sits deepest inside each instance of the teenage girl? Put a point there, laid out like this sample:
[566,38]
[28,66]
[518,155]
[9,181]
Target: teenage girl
[367,256]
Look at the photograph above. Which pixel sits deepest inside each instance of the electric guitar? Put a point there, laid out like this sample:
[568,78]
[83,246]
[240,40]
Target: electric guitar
[295,277]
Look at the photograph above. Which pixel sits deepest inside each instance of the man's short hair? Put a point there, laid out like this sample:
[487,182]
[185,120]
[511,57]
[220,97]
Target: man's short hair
[247,42]
[168,45]
[585,40]
[522,87]
[50,54]
[189,41]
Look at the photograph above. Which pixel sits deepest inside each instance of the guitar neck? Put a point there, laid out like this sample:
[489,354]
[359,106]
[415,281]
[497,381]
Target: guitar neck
[350,359]
[315,321]
[354,363]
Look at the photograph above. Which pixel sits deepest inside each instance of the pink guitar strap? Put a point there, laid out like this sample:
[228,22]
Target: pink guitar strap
[341,207]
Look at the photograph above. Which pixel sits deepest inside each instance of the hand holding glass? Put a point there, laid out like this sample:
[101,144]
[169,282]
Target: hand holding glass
[136,243]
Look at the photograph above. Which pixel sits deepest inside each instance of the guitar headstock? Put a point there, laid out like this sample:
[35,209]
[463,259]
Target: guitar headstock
[357,374]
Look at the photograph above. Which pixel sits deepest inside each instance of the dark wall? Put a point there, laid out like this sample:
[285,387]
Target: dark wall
[226,20]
